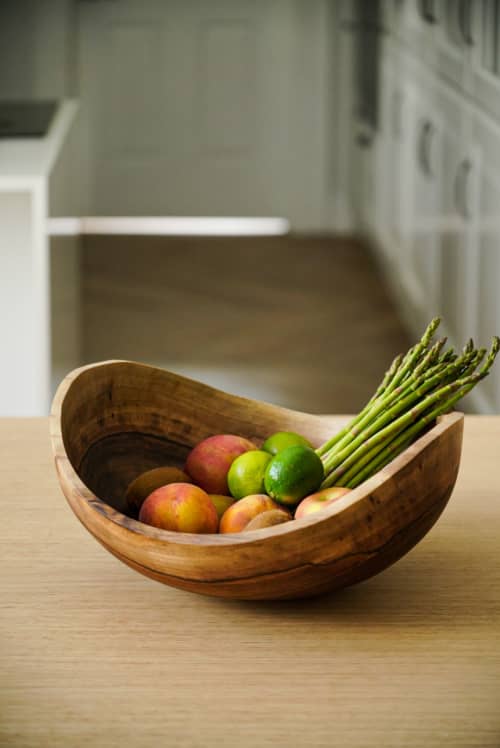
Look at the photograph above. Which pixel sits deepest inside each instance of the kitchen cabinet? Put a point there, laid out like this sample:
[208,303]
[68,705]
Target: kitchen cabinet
[485,137]
[456,225]
[483,80]
[437,175]
[456,34]
[395,132]
[441,32]
[420,267]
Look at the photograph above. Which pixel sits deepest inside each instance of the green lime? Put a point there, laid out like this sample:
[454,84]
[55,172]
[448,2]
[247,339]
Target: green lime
[246,474]
[282,439]
[292,474]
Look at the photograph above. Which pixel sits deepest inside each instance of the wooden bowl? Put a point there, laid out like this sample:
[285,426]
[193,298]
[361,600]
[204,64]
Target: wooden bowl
[113,420]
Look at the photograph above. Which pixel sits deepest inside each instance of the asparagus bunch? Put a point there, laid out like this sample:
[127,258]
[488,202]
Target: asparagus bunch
[416,389]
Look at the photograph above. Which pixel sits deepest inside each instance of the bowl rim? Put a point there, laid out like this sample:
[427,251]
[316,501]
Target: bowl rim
[69,475]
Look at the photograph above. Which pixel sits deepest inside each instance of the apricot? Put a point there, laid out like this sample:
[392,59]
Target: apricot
[269,519]
[239,514]
[208,463]
[180,507]
[149,481]
[221,503]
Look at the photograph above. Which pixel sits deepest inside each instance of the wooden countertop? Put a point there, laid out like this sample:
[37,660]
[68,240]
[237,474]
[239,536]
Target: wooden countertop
[92,654]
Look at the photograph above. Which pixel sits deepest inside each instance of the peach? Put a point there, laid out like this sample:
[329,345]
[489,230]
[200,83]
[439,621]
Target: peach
[149,481]
[239,514]
[180,507]
[221,503]
[319,500]
[208,463]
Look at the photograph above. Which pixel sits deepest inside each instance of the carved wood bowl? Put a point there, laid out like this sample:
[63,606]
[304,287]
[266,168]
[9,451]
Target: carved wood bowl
[113,420]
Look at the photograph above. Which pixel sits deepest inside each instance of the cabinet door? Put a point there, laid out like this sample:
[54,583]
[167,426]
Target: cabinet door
[457,253]
[440,32]
[427,177]
[414,23]
[387,152]
[487,138]
[458,218]
[419,267]
[455,38]
[394,152]
[483,83]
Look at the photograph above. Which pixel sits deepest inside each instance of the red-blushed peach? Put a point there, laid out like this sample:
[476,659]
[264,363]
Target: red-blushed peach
[149,481]
[319,500]
[268,519]
[221,503]
[239,514]
[180,507]
[208,463]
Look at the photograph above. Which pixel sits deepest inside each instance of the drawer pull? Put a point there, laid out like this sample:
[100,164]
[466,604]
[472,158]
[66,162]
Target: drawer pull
[427,134]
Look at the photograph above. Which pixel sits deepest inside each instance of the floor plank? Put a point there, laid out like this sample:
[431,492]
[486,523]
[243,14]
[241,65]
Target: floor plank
[302,322]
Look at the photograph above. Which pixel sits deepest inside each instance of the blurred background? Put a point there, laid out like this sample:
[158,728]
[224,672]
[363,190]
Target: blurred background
[271,196]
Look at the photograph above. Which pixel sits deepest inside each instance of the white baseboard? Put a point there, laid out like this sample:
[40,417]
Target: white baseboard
[168,226]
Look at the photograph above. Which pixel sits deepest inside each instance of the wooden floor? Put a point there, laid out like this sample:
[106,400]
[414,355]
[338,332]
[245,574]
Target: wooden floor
[298,321]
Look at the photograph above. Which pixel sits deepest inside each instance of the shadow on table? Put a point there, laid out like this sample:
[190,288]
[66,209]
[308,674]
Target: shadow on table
[421,589]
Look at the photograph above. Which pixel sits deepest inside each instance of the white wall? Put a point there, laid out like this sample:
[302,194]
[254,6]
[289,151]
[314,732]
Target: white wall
[172,131]
[45,49]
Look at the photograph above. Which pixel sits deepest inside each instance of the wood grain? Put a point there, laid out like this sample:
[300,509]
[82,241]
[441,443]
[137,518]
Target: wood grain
[272,318]
[112,421]
[92,654]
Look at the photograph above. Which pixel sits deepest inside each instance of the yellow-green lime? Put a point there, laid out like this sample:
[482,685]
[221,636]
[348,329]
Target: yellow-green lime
[246,474]
[279,441]
[292,474]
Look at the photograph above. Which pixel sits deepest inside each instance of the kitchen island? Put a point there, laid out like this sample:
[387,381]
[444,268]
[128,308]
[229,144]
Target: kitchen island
[40,178]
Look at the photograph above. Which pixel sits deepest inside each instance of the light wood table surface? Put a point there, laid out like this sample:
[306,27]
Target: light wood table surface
[92,654]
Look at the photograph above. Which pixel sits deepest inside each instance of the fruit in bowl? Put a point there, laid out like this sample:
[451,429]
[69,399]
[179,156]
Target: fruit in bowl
[246,474]
[147,482]
[237,517]
[209,461]
[181,507]
[280,440]
[293,473]
[319,500]
[269,518]
[221,503]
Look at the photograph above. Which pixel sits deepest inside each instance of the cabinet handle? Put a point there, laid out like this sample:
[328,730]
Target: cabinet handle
[465,21]
[425,147]
[460,189]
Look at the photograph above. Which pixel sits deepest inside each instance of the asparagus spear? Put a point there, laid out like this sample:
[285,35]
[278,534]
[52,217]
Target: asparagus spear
[394,370]
[396,437]
[414,354]
[388,411]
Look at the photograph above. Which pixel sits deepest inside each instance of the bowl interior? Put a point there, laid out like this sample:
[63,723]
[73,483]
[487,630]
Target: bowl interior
[121,419]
